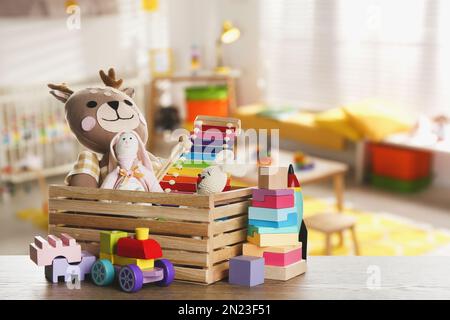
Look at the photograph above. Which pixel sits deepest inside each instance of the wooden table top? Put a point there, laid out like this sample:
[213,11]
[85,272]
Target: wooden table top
[326,278]
[323,169]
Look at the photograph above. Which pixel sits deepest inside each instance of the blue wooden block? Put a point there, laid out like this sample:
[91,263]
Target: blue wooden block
[246,271]
[298,203]
[292,220]
[258,213]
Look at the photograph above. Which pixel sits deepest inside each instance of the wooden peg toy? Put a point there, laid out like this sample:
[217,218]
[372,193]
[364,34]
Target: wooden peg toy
[60,268]
[42,252]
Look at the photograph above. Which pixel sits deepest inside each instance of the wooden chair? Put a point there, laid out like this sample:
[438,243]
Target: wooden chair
[329,223]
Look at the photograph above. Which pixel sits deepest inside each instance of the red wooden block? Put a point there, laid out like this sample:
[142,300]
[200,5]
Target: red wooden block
[186,187]
[282,259]
[275,202]
[138,249]
[179,179]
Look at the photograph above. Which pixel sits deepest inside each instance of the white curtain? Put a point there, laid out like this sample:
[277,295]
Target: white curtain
[318,54]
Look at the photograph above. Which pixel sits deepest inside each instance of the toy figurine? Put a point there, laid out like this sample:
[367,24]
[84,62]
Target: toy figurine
[129,165]
[95,115]
[214,178]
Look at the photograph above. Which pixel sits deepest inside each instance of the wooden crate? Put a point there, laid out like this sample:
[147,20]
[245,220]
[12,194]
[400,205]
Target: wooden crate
[186,225]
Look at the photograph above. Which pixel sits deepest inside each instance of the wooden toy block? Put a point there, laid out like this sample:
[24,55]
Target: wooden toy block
[246,271]
[268,214]
[207,155]
[261,194]
[272,177]
[190,172]
[139,249]
[298,197]
[282,259]
[123,261]
[285,273]
[61,268]
[42,252]
[250,249]
[195,164]
[185,187]
[275,202]
[171,179]
[108,240]
[292,220]
[274,239]
[262,230]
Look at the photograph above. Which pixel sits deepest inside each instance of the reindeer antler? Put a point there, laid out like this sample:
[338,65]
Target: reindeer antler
[110,78]
[60,87]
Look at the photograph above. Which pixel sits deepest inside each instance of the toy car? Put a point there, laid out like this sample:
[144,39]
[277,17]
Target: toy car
[135,260]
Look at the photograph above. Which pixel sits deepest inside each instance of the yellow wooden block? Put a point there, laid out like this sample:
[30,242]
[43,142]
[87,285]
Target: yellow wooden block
[285,273]
[250,249]
[274,239]
[189,172]
[123,261]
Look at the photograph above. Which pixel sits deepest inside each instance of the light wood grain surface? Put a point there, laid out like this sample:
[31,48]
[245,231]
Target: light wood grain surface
[326,278]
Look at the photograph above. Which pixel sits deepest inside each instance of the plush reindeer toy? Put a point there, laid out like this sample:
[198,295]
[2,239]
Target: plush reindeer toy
[129,165]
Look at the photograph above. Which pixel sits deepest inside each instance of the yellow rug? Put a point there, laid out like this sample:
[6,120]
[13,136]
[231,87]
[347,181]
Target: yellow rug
[379,234]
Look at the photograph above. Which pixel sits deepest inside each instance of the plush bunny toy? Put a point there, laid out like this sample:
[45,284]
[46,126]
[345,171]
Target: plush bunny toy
[129,165]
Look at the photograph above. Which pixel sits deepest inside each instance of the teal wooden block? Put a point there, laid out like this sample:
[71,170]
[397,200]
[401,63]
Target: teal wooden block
[268,214]
[264,230]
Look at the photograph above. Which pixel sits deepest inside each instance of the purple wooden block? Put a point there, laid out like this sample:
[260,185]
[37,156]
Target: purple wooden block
[246,270]
[259,194]
[61,268]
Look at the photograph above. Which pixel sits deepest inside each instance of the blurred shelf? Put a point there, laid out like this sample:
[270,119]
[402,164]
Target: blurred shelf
[21,177]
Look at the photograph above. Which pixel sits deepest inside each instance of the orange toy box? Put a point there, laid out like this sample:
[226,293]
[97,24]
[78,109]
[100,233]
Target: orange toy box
[400,163]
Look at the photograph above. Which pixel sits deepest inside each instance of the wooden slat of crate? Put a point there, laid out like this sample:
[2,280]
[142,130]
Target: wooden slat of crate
[132,210]
[230,210]
[226,253]
[239,222]
[218,272]
[227,239]
[236,195]
[191,200]
[120,223]
[166,242]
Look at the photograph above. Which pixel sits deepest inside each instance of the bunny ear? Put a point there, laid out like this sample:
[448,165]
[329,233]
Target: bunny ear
[225,159]
[112,161]
[142,154]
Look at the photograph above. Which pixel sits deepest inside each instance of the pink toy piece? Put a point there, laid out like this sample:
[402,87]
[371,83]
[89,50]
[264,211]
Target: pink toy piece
[61,268]
[282,259]
[259,194]
[42,252]
[275,202]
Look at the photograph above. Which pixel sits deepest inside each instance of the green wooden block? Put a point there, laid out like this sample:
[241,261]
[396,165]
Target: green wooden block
[108,240]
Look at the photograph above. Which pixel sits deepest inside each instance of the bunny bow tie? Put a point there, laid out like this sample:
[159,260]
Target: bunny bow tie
[134,172]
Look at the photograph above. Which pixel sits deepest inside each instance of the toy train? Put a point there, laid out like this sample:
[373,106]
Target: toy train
[132,260]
